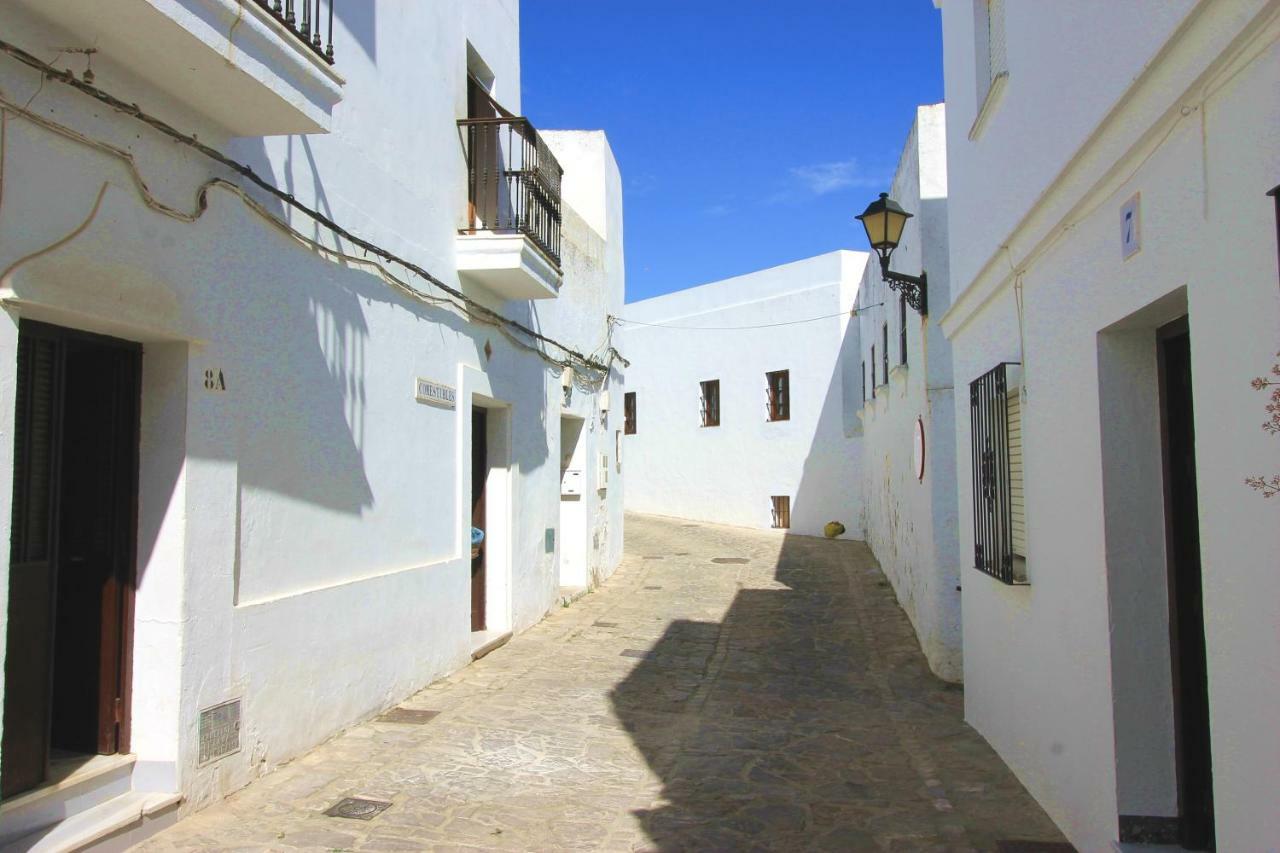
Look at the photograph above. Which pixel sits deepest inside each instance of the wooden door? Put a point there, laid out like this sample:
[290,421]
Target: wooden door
[1186,622]
[479,474]
[71,571]
[28,663]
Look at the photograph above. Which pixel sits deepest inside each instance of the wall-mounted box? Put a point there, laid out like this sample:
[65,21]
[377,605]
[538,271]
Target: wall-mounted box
[571,482]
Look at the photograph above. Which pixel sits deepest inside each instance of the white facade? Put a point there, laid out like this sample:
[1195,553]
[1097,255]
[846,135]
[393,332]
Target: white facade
[908,410]
[1166,111]
[302,532]
[736,331]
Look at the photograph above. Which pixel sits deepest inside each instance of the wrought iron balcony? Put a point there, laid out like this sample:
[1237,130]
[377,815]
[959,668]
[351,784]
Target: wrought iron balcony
[303,19]
[513,182]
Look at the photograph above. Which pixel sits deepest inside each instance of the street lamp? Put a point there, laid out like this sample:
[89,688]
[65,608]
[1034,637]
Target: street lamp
[884,220]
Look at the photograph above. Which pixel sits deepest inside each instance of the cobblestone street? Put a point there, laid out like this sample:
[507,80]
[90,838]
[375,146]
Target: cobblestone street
[726,690]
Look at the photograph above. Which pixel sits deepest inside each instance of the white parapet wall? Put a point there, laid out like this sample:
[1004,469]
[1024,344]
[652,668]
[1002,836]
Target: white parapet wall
[907,411]
[735,332]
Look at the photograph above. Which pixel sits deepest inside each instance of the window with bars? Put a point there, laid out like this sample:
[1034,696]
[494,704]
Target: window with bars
[781,511]
[884,351]
[999,519]
[873,371]
[778,386]
[864,380]
[629,413]
[710,401]
[902,329]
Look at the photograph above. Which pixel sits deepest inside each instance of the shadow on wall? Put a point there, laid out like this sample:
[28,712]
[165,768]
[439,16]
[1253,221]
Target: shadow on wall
[809,717]
[822,494]
[360,19]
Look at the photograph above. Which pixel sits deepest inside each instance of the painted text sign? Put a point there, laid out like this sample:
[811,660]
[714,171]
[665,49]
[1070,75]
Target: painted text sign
[436,394]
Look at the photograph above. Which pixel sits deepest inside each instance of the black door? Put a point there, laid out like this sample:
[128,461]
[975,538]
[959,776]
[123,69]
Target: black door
[1186,606]
[479,473]
[72,550]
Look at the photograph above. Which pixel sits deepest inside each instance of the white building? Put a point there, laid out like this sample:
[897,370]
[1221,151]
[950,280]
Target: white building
[250,446]
[742,399]
[1109,167]
[908,410]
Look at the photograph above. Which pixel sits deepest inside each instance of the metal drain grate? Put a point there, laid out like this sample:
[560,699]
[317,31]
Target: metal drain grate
[356,808]
[633,653]
[735,561]
[653,587]
[606,624]
[408,716]
[652,557]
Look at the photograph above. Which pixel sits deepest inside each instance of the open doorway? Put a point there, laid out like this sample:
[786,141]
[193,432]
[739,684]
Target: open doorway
[479,480]
[1186,603]
[71,571]
[573,506]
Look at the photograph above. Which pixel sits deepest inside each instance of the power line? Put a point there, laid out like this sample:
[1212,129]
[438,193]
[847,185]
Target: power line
[461,300]
[732,328]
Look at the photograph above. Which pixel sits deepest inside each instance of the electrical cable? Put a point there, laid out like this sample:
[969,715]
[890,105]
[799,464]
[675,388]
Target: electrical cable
[625,321]
[459,300]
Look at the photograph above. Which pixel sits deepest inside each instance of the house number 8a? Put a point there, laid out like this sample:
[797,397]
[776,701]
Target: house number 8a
[214,380]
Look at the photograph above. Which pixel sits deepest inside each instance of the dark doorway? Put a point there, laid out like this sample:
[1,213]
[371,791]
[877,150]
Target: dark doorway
[1186,605]
[479,473]
[72,550]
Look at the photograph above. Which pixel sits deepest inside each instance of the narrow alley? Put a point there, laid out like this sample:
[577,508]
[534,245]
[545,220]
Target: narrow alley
[727,689]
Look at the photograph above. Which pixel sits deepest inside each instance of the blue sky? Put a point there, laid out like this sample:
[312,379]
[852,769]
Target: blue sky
[749,133]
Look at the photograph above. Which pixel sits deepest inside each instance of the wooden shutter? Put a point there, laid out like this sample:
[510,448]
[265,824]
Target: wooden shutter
[1017,502]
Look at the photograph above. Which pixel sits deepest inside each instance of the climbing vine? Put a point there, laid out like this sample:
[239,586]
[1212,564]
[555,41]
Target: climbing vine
[1269,486]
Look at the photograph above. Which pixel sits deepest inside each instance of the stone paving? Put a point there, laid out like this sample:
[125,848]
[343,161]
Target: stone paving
[727,689]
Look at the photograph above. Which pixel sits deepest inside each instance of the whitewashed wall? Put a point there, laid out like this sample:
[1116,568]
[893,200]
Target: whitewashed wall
[910,522]
[302,535]
[1068,677]
[726,474]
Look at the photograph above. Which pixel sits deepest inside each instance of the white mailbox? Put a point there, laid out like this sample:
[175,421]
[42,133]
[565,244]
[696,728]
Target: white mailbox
[571,483]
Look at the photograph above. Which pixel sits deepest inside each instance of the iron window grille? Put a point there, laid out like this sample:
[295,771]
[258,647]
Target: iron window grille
[873,371]
[629,413]
[993,551]
[781,511]
[902,328]
[864,380]
[711,403]
[778,385]
[884,352]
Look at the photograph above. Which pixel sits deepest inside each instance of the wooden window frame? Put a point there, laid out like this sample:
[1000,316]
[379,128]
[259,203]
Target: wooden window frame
[709,399]
[781,507]
[884,330]
[629,413]
[873,371]
[778,388]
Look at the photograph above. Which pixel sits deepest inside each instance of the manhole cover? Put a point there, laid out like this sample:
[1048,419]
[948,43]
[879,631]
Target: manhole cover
[633,653]
[356,808]
[682,553]
[691,525]
[652,557]
[408,716]
[653,587]
[606,624]
[736,561]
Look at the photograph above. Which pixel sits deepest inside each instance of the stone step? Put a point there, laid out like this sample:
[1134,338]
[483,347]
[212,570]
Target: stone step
[117,824]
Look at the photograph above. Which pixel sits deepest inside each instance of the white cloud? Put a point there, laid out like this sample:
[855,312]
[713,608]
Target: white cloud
[823,178]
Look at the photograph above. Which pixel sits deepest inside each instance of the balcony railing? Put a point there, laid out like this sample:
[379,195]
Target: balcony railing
[513,182]
[303,19]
